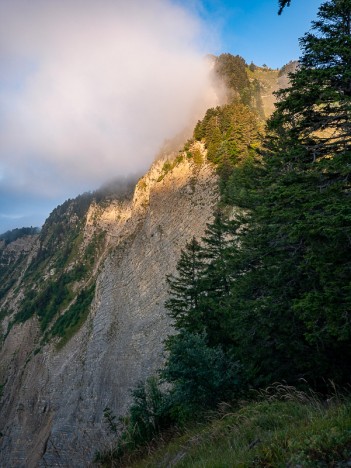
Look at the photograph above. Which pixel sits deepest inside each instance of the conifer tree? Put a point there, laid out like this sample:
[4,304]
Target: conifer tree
[185,288]
[292,296]
[316,109]
[277,297]
[232,69]
[312,122]
[216,278]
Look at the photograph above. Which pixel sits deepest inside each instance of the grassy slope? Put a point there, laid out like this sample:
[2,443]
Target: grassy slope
[269,433]
[270,83]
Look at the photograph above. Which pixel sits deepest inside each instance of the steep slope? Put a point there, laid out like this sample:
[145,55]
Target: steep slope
[83,315]
[57,385]
[266,81]
[15,249]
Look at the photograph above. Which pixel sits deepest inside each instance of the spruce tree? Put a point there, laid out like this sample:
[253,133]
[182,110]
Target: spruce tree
[201,376]
[232,70]
[217,278]
[292,295]
[316,109]
[185,289]
[312,122]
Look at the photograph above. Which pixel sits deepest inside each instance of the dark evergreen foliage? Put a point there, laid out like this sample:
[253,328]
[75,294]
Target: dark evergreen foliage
[278,297]
[74,316]
[230,133]
[216,279]
[232,70]
[184,302]
[148,413]
[306,186]
[252,67]
[201,375]
[148,416]
[316,109]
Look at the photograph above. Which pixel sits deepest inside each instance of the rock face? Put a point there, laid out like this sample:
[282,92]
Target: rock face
[14,258]
[53,398]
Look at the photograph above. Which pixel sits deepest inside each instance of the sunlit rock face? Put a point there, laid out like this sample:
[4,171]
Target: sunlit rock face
[53,398]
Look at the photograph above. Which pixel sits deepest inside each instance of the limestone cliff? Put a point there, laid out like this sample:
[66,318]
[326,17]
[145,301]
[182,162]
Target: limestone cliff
[55,389]
[14,257]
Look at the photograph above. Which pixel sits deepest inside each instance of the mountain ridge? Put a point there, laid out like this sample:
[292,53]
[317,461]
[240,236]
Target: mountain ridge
[35,424]
[86,319]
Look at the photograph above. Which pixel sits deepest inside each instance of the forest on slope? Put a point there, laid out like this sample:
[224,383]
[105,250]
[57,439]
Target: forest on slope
[265,295]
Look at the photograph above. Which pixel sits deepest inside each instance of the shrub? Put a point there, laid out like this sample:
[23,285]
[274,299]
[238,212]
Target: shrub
[201,376]
[73,318]
[147,417]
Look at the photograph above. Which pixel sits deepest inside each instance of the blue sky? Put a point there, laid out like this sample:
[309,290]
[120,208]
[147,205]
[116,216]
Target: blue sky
[90,89]
[253,29]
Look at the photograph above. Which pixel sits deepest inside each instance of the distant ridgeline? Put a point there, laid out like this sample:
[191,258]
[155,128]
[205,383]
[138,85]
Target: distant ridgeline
[14,234]
[54,266]
[14,247]
[251,85]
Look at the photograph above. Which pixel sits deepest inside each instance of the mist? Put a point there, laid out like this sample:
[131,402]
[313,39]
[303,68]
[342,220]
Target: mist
[90,90]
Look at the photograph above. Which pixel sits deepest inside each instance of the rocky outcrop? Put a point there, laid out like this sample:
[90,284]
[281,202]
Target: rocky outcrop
[53,397]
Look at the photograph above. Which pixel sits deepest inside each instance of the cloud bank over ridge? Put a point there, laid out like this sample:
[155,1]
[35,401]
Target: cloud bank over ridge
[89,90]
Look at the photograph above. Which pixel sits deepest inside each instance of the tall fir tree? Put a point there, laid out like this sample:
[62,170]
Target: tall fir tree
[316,108]
[216,278]
[292,297]
[185,289]
[313,125]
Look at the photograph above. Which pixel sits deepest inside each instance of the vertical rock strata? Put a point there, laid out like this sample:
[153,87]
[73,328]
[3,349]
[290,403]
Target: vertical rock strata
[53,401]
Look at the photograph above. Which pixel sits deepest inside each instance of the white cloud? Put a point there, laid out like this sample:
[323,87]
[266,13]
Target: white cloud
[91,88]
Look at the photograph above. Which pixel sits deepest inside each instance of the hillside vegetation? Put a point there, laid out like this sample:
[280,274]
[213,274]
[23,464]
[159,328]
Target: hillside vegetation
[14,247]
[283,429]
[58,275]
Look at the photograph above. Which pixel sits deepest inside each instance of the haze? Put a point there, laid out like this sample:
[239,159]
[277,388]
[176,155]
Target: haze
[89,90]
